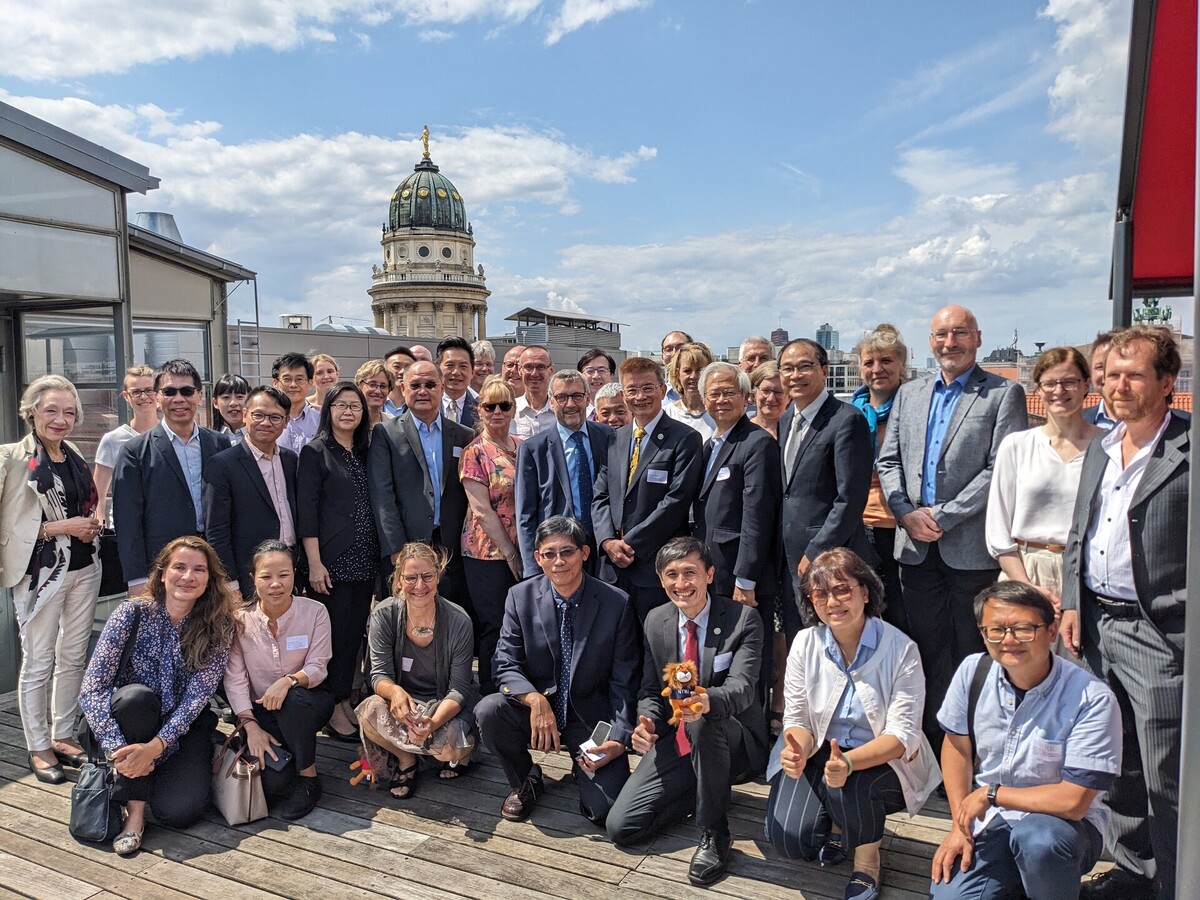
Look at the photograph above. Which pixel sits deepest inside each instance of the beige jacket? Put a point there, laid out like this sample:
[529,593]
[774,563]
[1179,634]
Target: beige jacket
[20,511]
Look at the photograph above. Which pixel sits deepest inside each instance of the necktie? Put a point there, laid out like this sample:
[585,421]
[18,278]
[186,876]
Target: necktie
[583,480]
[566,646]
[691,652]
[452,410]
[638,433]
[793,443]
[710,455]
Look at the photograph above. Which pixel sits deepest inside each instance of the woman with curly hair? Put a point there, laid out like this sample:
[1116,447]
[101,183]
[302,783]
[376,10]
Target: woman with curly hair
[148,709]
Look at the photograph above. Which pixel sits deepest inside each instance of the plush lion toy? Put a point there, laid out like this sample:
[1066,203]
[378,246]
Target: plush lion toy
[682,686]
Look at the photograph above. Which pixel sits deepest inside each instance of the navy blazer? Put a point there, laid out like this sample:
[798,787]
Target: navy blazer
[544,483]
[238,511]
[654,507]
[152,504]
[604,656]
[325,499]
[736,513]
[401,490]
[826,491]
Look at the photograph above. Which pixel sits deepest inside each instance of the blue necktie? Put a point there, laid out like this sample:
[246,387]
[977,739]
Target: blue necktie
[566,645]
[582,475]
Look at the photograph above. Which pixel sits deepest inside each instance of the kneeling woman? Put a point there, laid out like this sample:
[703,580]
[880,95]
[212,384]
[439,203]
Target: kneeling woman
[420,650]
[852,750]
[275,668]
[150,713]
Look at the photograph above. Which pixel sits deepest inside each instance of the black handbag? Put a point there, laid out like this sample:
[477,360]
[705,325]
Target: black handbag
[112,579]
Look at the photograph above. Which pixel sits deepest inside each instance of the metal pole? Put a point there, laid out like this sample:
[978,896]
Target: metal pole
[1122,274]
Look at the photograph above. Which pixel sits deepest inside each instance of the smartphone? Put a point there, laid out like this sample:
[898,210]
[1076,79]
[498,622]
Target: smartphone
[599,735]
[283,757]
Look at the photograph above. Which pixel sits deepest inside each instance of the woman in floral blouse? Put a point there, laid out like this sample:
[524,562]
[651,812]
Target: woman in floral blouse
[152,717]
[488,469]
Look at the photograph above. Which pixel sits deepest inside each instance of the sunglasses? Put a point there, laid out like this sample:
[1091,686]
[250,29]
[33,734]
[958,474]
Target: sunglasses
[186,391]
[503,406]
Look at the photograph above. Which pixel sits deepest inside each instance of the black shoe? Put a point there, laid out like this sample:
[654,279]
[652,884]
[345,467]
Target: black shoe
[832,853]
[303,799]
[708,862]
[519,804]
[74,760]
[350,737]
[1117,884]
[48,775]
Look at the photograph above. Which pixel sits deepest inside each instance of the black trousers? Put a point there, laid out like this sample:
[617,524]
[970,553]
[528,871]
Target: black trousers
[349,606]
[665,787]
[888,570]
[801,810]
[504,727]
[941,621]
[295,725]
[488,582]
[178,790]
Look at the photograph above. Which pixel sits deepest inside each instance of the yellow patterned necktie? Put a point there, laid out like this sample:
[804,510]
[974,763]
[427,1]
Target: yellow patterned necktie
[638,434]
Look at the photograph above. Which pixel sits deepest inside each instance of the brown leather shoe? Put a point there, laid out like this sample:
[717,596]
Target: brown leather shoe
[519,804]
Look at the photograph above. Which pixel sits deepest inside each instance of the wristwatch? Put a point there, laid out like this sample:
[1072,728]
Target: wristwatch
[991,794]
[296,683]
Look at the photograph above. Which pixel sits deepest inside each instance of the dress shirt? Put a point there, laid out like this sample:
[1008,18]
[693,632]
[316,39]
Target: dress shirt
[188,453]
[529,421]
[1068,728]
[460,406]
[392,409]
[849,725]
[650,426]
[564,434]
[259,658]
[672,395]
[1103,419]
[1108,551]
[713,448]
[701,621]
[431,444]
[800,425]
[941,411]
[271,468]
[300,429]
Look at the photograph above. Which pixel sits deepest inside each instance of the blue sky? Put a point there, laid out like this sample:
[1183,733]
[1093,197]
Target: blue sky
[719,166]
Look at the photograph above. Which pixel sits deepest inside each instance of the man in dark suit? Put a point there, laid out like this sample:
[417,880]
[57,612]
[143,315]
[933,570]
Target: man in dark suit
[935,469]
[567,659]
[456,360]
[690,767]
[827,460]
[1124,599]
[1099,414]
[412,469]
[557,467]
[645,488]
[250,490]
[736,513]
[158,477]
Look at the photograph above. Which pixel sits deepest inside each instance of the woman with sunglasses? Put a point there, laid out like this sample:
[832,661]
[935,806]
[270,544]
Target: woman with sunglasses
[491,560]
[852,750]
[420,656]
[337,529]
[1036,477]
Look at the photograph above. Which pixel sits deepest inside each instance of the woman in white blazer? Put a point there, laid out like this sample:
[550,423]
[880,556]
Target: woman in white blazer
[48,557]
[852,750]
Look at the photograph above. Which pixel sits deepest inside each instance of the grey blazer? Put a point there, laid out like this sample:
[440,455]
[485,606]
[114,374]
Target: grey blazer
[989,408]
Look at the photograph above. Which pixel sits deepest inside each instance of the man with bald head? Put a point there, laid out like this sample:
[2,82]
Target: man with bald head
[935,468]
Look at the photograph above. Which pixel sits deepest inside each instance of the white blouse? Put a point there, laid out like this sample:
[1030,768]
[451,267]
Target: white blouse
[702,423]
[1032,496]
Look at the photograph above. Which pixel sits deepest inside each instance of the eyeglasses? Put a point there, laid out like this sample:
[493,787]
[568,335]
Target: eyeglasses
[563,399]
[841,593]
[1024,632]
[799,369]
[185,391]
[771,392]
[502,405]
[424,578]
[727,394]
[596,371]
[422,385]
[375,386]
[341,406]
[647,390]
[137,393]
[293,380]
[942,334]
[530,369]
[566,554]
[1067,384]
[273,418]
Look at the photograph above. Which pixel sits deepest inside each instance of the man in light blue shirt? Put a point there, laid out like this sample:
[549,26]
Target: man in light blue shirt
[1047,737]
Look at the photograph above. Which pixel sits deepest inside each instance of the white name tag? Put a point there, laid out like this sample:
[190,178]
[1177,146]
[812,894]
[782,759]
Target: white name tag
[723,662]
[723,473]
[457,451]
[297,642]
[406,663]
[656,476]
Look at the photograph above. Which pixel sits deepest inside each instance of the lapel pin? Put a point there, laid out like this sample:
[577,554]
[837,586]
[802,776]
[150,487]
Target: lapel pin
[658,437]
[716,631]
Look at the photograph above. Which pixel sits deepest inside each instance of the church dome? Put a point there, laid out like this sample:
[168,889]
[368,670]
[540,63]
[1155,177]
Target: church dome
[427,199]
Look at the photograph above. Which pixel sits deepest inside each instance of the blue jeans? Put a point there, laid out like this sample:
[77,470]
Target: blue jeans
[1041,854]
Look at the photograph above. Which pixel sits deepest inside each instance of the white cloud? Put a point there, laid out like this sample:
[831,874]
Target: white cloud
[575,14]
[434,35]
[933,171]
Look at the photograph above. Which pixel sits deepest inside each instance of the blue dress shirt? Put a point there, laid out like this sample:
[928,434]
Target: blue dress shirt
[849,725]
[564,435]
[191,461]
[941,411]
[431,444]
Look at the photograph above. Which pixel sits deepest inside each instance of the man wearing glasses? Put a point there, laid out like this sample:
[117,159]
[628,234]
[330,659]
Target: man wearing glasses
[250,490]
[533,407]
[1032,743]
[557,468]
[567,659]
[935,469]
[292,373]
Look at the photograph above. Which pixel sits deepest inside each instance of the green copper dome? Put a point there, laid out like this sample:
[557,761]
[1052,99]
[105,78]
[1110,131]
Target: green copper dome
[427,199]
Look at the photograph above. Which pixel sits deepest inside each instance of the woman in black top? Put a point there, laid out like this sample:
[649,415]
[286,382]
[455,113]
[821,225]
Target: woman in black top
[338,532]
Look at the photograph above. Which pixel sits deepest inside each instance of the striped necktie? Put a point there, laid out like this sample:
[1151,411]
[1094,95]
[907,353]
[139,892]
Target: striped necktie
[638,433]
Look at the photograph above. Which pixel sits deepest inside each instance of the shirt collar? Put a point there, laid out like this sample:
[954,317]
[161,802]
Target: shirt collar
[1115,435]
[872,630]
[435,428]
[559,599]
[1043,687]
[172,436]
[701,618]
[565,433]
[810,412]
[961,380]
[258,454]
[653,423]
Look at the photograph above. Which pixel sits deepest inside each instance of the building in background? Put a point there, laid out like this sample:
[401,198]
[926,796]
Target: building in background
[779,337]
[827,337]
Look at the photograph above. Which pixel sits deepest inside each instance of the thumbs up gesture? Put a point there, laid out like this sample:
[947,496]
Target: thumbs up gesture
[792,756]
[643,736]
[837,768]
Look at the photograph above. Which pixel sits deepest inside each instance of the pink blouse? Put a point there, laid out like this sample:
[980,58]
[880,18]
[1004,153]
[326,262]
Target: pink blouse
[259,659]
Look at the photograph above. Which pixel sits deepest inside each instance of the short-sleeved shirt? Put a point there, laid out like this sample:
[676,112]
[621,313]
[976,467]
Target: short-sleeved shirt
[1068,728]
[111,444]
[496,468]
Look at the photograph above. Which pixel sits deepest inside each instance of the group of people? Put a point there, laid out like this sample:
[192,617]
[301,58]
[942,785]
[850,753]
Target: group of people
[625,555]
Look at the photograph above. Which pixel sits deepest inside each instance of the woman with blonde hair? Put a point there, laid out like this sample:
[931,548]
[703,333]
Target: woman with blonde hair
[683,373]
[325,376]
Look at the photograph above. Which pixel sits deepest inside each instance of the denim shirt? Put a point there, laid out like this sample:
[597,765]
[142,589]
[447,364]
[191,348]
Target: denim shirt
[941,411]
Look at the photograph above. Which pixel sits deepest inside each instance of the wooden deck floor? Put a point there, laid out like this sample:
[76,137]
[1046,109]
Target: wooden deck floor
[449,840]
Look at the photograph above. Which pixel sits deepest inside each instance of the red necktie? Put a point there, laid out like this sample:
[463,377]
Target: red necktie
[691,653]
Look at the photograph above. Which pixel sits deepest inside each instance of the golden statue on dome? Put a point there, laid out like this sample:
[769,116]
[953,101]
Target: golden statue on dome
[425,141]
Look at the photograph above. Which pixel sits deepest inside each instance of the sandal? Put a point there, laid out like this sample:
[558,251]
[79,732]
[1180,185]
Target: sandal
[127,843]
[451,770]
[404,780]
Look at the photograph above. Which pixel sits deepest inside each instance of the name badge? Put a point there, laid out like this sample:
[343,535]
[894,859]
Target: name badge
[656,476]
[722,662]
[406,663]
[457,451]
[723,473]
[297,642]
